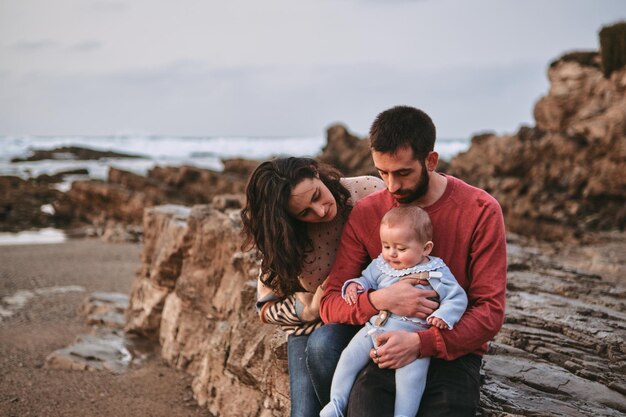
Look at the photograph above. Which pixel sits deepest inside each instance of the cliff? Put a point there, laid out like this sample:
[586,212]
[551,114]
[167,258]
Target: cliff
[196,293]
[565,176]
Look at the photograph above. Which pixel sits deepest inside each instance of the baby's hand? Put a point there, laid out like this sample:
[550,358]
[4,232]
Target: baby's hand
[437,322]
[351,292]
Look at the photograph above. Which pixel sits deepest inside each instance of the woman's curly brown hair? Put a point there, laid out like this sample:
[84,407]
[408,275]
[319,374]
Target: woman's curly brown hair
[283,240]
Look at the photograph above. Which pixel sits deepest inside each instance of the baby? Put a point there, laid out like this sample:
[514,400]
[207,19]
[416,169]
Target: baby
[406,237]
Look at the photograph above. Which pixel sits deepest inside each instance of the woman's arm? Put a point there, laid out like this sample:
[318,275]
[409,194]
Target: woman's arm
[292,310]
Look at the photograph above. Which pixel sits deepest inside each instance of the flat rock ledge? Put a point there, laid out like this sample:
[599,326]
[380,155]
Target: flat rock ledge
[561,352]
[108,347]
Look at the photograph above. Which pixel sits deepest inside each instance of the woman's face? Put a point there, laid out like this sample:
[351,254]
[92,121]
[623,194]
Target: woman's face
[312,202]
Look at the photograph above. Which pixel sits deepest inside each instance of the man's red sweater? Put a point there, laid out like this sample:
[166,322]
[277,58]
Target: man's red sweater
[469,236]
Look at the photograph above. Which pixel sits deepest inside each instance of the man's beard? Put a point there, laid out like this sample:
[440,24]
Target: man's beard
[409,196]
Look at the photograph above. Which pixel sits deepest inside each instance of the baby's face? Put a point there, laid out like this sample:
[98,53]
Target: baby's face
[400,247]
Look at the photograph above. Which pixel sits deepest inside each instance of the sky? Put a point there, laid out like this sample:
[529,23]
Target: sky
[281,67]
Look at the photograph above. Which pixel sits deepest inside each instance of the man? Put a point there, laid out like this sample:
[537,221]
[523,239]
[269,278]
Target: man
[468,235]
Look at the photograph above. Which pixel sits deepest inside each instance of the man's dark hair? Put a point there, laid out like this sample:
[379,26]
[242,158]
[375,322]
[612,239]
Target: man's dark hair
[403,126]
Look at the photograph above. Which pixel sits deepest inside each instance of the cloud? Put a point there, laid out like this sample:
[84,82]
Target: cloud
[107,6]
[186,97]
[34,45]
[86,46]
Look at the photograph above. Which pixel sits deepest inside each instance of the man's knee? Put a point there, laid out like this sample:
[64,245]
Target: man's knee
[453,388]
[373,393]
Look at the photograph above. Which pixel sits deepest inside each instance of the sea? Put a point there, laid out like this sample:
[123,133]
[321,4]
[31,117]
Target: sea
[203,152]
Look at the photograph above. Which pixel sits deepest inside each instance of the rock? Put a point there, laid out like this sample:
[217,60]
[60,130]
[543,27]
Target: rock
[563,177]
[613,47]
[164,244]
[117,232]
[224,202]
[92,353]
[347,153]
[562,350]
[143,316]
[122,199]
[21,202]
[105,309]
[562,347]
[207,324]
[72,152]
[108,348]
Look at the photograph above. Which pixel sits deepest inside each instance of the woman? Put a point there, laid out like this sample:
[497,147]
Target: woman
[294,216]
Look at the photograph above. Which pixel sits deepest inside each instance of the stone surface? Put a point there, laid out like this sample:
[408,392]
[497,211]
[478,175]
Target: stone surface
[107,351]
[105,309]
[562,350]
[108,347]
[207,324]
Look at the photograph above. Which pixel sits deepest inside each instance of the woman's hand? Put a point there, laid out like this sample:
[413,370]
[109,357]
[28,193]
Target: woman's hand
[311,311]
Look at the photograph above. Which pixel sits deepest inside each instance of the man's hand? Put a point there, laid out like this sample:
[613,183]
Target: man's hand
[403,299]
[396,349]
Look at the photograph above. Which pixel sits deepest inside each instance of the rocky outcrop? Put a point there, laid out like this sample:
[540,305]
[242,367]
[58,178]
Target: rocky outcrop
[562,350]
[613,47]
[346,152]
[21,203]
[122,198]
[564,176]
[72,152]
[196,293]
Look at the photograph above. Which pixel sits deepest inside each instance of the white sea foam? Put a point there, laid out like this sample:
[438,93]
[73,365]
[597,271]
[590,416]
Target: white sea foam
[203,152]
[33,237]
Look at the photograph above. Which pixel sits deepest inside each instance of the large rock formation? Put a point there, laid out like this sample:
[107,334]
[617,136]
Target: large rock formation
[21,203]
[122,198]
[565,176]
[196,293]
[71,152]
[562,350]
[346,152]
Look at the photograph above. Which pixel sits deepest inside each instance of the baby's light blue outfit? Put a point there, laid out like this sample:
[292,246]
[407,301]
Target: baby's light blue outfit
[410,379]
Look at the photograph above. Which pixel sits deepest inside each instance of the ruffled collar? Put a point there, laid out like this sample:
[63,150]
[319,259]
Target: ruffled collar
[433,264]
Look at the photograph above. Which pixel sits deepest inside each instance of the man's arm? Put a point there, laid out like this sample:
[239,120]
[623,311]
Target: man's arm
[486,293]
[351,257]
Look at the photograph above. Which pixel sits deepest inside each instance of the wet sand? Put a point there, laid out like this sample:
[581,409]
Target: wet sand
[49,320]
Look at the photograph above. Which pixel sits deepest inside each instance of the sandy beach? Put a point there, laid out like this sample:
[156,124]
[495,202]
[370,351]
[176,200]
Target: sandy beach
[51,321]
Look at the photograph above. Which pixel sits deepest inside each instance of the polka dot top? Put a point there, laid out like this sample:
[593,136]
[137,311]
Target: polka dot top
[325,236]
